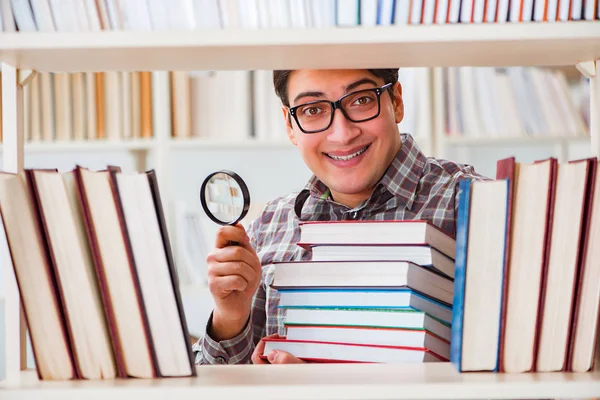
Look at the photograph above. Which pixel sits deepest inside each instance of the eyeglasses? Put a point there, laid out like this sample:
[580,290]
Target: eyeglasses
[360,106]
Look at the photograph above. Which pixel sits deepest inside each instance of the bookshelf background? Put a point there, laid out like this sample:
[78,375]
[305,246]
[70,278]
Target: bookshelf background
[183,162]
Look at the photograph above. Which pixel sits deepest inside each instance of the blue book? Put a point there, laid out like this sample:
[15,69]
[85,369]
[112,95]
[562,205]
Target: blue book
[460,270]
[364,298]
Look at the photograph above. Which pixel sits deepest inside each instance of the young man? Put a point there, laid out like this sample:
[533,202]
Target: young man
[345,124]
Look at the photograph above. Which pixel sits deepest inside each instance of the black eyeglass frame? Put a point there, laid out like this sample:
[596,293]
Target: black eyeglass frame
[338,105]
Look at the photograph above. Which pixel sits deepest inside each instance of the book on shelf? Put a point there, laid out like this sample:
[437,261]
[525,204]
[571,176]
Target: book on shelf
[95,273]
[478,283]
[485,102]
[524,269]
[201,15]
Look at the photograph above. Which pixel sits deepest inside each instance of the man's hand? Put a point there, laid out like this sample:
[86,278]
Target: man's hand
[234,273]
[275,357]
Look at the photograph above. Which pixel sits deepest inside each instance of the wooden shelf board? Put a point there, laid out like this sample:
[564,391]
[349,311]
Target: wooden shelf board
[320,381]
[88,146]
[534,43]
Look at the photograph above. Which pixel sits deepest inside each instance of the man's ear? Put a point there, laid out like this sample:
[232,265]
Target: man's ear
[288,125]
[398,102]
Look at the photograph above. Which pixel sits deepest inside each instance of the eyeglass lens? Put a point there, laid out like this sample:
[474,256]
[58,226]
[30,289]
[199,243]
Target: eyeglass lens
[358,106]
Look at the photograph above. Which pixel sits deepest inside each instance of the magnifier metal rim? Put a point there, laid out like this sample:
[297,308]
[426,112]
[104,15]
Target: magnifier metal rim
[245,194]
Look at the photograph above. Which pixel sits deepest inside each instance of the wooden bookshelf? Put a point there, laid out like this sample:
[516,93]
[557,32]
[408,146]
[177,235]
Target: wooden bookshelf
[541,44]
[319,381]
[513,140]
[527,44]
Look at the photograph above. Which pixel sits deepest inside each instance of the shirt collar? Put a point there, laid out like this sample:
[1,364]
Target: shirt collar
[401,178]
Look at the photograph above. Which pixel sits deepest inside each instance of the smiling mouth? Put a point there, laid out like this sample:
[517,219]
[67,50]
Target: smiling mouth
[349,156]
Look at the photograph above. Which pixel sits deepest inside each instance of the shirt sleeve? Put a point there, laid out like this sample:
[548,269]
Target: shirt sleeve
[237,350]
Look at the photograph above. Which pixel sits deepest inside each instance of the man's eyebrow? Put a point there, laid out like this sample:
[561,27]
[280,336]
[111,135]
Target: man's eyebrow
[360,82]
[351,86]
[308,94]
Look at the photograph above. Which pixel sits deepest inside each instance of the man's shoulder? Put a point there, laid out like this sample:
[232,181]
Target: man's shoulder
[447,169]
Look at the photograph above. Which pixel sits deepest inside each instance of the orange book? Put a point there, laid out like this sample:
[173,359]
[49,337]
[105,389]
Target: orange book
[146,101]
[100,128]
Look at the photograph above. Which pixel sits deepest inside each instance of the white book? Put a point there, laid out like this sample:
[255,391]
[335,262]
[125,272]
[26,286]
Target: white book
[564,10]
[207,14]
[454,11]
[264,14]
[428,12]
[92,16]
[91,118]
[159,15]
[298,14]
[79,12]
[249,14]
[385,13]
[576,6]
[8,22]
[515,10]
[478,11]
[23,16]
[441,15]
[527,11]
[324,13]
[152,269]
[466,11]
[116,21]
[491,9]
[347,12]
[65,18]
[416,10]
[539,8]
[402,12]
[43,15]
[181,14]
[136,15]
[368,12]
[280,14]
[552,10]
[503,6]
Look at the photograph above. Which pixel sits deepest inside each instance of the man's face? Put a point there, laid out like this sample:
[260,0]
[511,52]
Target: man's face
[348,157]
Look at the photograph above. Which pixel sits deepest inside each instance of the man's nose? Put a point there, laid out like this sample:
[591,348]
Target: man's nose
[342,130]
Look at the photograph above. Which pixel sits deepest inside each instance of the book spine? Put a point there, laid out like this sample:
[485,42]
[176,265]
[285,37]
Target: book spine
[113,171]
[462,234]
[153,181]
[100,274]
[38,211]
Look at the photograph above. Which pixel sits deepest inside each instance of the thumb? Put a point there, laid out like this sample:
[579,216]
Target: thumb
[282,357]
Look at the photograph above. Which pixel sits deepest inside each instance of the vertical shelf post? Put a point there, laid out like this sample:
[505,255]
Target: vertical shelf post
[589,69]
[15,350]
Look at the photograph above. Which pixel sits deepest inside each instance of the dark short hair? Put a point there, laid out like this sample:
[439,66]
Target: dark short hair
[281,77]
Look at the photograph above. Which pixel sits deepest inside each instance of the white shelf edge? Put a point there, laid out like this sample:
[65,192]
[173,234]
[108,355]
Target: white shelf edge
[88,146]
[358,47]
[320,381]
[213,143]
[511,140]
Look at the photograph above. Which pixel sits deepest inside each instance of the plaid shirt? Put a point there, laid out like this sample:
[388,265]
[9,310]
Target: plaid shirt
[413,187]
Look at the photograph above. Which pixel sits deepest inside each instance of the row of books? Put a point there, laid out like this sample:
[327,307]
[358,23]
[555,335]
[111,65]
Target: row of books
[146,15]
[93,263]
[243,104]
[517,101]
[527,279]
[373,291]
[87,106]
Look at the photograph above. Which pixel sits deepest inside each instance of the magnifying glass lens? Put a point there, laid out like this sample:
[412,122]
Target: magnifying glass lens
[225,197]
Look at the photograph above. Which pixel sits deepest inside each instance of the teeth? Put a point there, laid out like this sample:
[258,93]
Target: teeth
[350,156]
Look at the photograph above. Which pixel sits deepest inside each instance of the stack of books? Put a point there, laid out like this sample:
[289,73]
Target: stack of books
[527,280]
[374,291]
[93,264]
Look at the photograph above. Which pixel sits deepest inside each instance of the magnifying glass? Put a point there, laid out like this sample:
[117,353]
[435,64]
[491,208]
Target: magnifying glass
[225,197]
